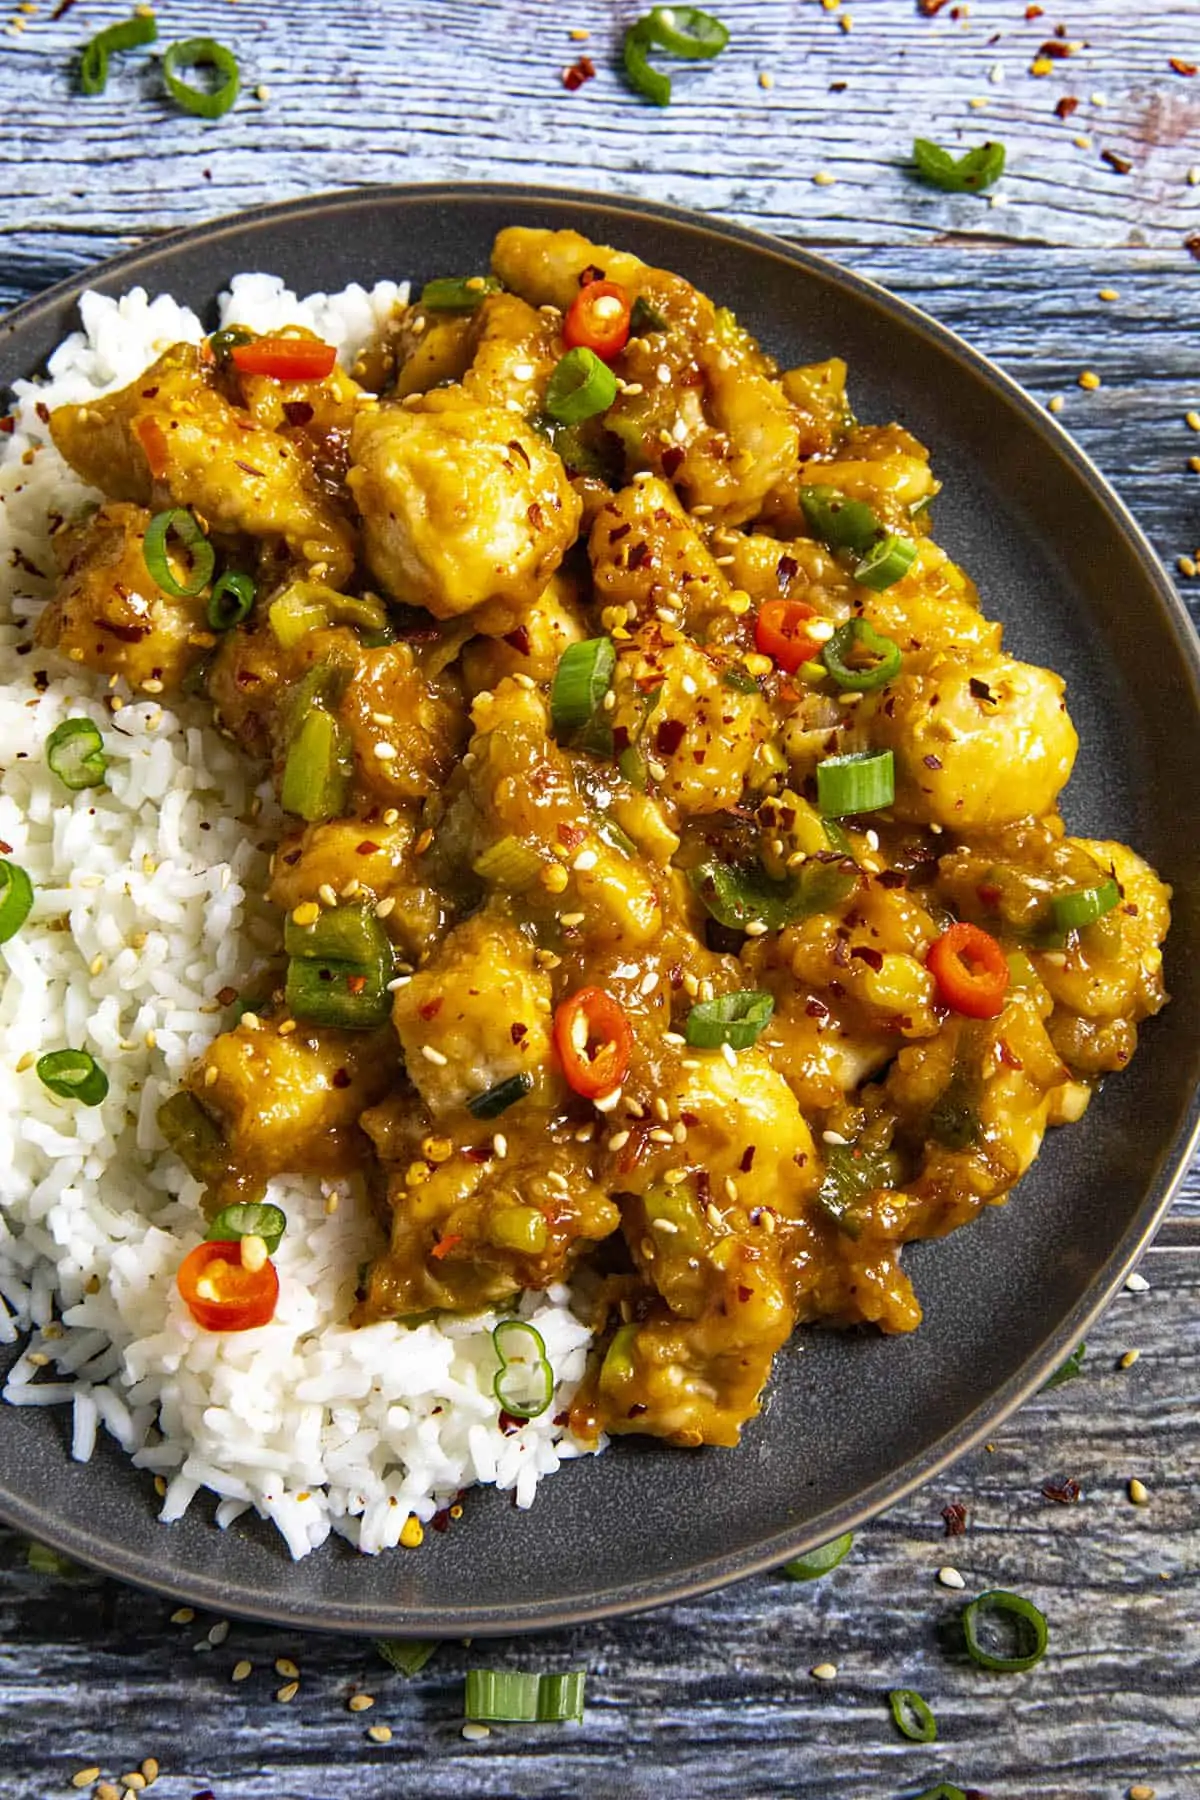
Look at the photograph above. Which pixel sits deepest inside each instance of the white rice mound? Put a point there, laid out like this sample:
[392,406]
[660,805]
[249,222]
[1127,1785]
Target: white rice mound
[147,904]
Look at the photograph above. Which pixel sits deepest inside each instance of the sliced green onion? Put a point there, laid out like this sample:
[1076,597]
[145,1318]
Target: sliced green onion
[736,1019]
[580,387]
[509,1697]
[498,1099]
[839,522]
[249,1218]
[581,680]
[196,53]
[857,638]
[45,1561]
[223,343]
[200,553]
[524,1384]
[740,680]
[945,1790]
[1073,911]
[73,1075]
[644,79]
[685,31]
[645,317]
[861,782]
[317,771]
[231,601]
[193,1136]
[130,34]
[887,563]
[914,1719]
[75,753]
[1024,1617]
[815,1563]
[968,174]
[510,864]
[851,1173]
[738,897]
[1067,1371]
[345,933]
[458,293]
[632,766]
[407,1656]
[16,899]
[954,1120]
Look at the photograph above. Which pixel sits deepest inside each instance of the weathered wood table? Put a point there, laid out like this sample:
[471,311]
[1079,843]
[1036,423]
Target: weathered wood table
[802,127]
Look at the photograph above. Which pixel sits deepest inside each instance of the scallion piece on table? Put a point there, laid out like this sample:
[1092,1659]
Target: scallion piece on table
[73,1075]
[945,1790]
[581,680]
[249,1218]
[498,1099]
[859,658]
[644,78]
[967,174]
[511,1697]
[913,1716]
[509,864]
[458,293]
[317,769]
[202,53]
[580,387]
[130,34]
[524,1384]
[861,782]
[1022,1617]
[887,563]
[1073,911]
[16,899]
[736,1019]
[75,753]
[1068,1370]
[180,522]
[231,601]
[407,1656]
[686,31]
[738,897]
[840,522]
[815,1563]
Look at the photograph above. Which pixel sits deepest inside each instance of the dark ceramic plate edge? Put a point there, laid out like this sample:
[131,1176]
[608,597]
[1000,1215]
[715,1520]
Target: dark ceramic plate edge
[770,1552]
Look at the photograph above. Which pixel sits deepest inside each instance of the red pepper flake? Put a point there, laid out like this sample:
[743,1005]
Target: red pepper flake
[669,736]
[747,1162]
[356,983]
[8,424]
[872,958]
[297,412]
[1007,1056]
[5,849]
[340,1078]
[517,1031]
[1183,68]
[506,1421]
[1055,47]
[578,73]
[1063,1493]
[672,460]
[1121,164]
[955,1518]
[477,1153]
[248,468]
[838,87]
[226,996]
[1066,106]
[744,1294]
[929,9]
[571,836]
[429,1009]
[43,412]
[931,761]
[638,555]
[1034,12]
[816,1009]
[518,640]
[785,569]
[1192,245]
[590,274]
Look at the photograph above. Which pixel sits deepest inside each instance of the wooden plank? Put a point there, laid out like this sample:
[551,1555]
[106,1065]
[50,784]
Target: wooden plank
[715,1698]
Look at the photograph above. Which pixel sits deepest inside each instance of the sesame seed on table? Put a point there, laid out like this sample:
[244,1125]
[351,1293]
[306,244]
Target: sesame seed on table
[1078,274]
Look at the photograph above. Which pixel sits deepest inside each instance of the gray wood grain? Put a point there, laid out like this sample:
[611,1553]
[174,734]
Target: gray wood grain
[712,1698]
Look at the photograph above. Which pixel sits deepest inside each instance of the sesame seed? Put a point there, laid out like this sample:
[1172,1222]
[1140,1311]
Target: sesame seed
[715,1217]
[606,1103]
[134,1782]
[586,1133]
[1129,1358]
[219,1633]
[84,1777]
[1186,565]
[262,91]
[823,178]
[474,1732]
[1082,143]
[1192,420]
[433,1056]
[673,1037]
[731,1192]
[757,928]
[1141,1791]
[183,1615]
[950,1578]
[1055,403]
[825,1671]
[361,1702]
[766,79]
[571,919]
[1139,1493]
[730,1055]
[241,1670]
[327,895]
[618,1140]
[667,1225]
[587,859]
[1109,294]
[1091,381]
[150,1770]
[673,1177]
[106,1791]
[285,1666]
[386,752]
[379,1734]
[1193,176]
[833,1137]
[1194,464]
[659,1136]
[661,1109]
[500,1145]
[1137,1284]
[657,770]
[386,907]
[382,718]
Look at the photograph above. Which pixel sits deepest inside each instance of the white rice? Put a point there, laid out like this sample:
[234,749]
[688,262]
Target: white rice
[148,903]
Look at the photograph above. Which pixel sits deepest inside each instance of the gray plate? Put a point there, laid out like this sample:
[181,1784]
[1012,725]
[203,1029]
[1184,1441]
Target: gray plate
[853,1421]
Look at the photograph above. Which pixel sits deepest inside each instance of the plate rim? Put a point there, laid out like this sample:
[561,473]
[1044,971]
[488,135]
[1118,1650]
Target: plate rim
[1173,1162]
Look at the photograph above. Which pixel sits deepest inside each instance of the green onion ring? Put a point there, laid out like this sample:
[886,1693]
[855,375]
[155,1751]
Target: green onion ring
[16,899]
[580,387]
[1073,911]
[249,1218]
[913,1717]
[231,601]
[524,1384]
[889,561]
[860,782]
[130,34]
[581,680]
[821,1561]
[685,31]
[179,520]
[995,1602]
[202,52]
[736,1019]
[73,1075]
[75,753]
[498,1099]
[857,677]
[839,522]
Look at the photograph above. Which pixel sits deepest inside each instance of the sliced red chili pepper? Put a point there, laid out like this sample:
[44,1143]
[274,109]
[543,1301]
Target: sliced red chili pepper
[223,1295]
[971,971]
[594,1041]
[151,436]
[598,320]
[779,633]
[285,359]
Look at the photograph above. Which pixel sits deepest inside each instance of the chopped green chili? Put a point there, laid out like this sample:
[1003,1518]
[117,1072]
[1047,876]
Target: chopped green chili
[1073,911]
[458,293]
[196,53]
[193,1136]
[407,1656]
[339,968]
[73,1075]
[498,1099]
[683,31]
[16,899]
[737,897]
[509,864]
[524,1384]
[75,753]
[581,680]
[739,678]
[1068,1370]
[914,1719]
[1022,1615]
[859,658]
[507,1696]
[861,782]
[839,522]
[645,317]
[851,1173]
[812,1564]
[231,601]
[967,174]
[200,552]
[249,1218]
[130,34]
[317,770]
[580,387]
[736,1019]
[887,563]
